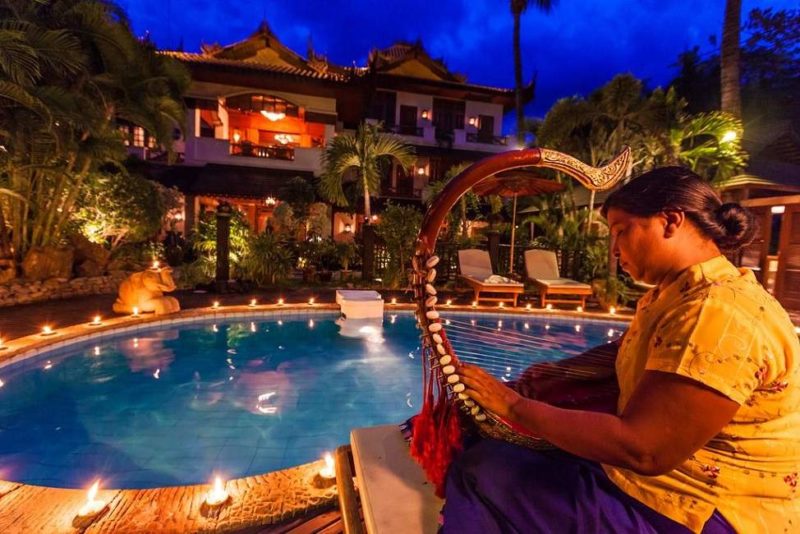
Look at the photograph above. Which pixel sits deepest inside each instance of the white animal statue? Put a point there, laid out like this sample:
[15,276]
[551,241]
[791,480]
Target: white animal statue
[145,291]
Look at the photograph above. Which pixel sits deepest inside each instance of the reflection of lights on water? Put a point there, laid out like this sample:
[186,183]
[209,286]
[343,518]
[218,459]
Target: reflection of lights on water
[231,351]
[230,362]
[392,319]
[508,369]
[499,324]
[577,328]
[230,378]
[2,383]
[526,326]
[611,332]
[472,322]
[252,327]
[311,323]
[411,355]
[266,409]
[547,327]
[214,328]
[232,367]
[447,322]
[280,347]
[48,365]
[280,323]
[135,342]
[157,374]
[504,379]
[97,351]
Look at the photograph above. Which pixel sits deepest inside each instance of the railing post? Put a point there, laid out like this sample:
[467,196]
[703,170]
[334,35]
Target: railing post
[368,259]
[494,249]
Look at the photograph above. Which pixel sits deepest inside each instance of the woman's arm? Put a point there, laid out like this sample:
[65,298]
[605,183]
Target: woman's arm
[667,419]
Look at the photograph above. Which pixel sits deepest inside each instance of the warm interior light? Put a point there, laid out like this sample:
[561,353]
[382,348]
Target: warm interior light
[777,210]
[273,115]
[374,218]
[728,136]
[328,471]
[236,137]
[421,171]
[348,228]
[473,121]
[217,494]
[284,139]
[426,114]
[270,201]
[92,506]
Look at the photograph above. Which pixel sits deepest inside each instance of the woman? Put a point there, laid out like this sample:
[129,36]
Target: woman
[706,435]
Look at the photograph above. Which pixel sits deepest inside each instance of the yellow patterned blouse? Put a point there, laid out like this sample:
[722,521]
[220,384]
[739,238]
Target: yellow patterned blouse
[715,324]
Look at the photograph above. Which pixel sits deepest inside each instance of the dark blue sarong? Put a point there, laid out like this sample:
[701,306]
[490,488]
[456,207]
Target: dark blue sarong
[495,487]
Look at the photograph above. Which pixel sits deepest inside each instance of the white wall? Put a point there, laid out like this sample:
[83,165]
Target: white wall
[413,99]
[474,109]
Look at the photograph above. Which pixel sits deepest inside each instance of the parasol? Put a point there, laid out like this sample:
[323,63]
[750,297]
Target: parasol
[514,183]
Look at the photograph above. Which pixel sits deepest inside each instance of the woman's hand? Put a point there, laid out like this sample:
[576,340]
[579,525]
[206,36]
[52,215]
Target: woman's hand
[489,392]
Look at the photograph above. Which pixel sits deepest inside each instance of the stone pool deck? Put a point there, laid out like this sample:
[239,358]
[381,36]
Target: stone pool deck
[258,503]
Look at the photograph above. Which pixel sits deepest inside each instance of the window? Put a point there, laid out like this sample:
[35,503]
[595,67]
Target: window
[265,104]
[448,115]
[125,130]
[138,136]
[383,107]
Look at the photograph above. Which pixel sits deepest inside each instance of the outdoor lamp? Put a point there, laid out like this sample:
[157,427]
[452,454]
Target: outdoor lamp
[348,228]
[473,121]
[426,114]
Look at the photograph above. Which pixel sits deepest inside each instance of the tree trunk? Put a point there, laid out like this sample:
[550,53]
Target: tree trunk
[367,211]
[518,81]
[729,71]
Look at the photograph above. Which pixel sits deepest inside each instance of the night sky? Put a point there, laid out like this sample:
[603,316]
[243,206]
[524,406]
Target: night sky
[579,46]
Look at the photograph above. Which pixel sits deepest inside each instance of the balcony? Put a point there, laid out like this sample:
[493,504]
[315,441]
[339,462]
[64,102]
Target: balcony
[258,151]
[202,150]
[400,129]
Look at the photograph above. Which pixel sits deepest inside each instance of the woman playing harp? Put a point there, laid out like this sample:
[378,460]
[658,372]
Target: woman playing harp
[706,433]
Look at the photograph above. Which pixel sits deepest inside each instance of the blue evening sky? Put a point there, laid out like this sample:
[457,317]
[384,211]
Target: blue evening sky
[579,46]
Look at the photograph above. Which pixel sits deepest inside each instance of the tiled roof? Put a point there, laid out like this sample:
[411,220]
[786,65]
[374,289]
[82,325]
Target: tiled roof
[240,64]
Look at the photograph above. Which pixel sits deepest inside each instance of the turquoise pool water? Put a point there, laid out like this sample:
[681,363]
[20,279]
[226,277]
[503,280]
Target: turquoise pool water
[172,405]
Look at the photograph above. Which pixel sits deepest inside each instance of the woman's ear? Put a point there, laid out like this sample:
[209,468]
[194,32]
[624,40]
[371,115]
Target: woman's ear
[673,221]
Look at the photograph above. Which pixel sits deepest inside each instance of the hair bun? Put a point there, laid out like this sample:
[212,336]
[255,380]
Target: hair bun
[738,223]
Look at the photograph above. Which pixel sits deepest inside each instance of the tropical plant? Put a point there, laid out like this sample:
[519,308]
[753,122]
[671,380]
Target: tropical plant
[457,220]
[268,260]
[518,7]
[398,227]
[346,252]
[69,68]
[120,206]
[204,242]
[363,154]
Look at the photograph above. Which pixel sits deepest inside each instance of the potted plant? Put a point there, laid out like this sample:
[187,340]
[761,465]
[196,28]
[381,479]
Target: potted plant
[327,260]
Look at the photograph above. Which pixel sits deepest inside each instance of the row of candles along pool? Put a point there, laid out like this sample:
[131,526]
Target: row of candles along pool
[217,496]
[97,320]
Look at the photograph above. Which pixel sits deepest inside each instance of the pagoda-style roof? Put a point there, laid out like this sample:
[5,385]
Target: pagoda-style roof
[407,59]
[261,51]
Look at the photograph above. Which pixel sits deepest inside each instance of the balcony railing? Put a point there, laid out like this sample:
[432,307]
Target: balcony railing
[486,139]
[260,151]
[415,131]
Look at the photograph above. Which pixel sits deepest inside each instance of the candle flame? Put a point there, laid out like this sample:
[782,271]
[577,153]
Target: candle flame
[394,301]
[156,264]
[253,302]
[135,311]
[217,495]
[92,493]
[311,301]
[96,319]
[612,310]
[328,471]
[216,304]
[280,302]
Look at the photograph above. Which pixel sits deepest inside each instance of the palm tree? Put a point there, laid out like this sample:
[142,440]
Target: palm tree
[363,153]
[74,68]
[729,61]
[457,220]
[518,7]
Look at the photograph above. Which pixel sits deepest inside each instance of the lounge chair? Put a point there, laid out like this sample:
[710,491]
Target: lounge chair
[541,267]
[475,268]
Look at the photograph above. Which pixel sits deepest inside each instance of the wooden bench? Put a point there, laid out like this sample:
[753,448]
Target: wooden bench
[394,495]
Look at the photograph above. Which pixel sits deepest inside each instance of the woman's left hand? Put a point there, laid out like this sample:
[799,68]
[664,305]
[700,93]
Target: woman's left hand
[489,392]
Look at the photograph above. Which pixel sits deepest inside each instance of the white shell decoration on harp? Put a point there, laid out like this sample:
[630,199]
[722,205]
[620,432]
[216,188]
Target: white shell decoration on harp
[445,360]
[449,369]
[432,262]
[430,290]
[434,327]
[432,314]
[430,302]
[480,417]
[431,275]
[437,339]
[453,379]
[458,388]
[441,350]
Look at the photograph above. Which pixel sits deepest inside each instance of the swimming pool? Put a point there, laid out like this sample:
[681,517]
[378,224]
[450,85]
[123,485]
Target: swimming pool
[171,405]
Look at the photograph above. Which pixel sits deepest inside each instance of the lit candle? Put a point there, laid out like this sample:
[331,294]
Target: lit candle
[612,310]
[280,302]
[311,301]
[449,303]
[135,311]
[92,506]
[253,303]
[549,307]
[579,309]
[96,321]
[2,344]
[474,303]
[215,305]
[501,305]
[217,495]
[156,264]
[527,307]
[47,330]
[394,301]
[328,472]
